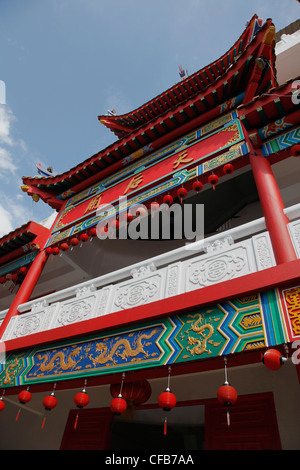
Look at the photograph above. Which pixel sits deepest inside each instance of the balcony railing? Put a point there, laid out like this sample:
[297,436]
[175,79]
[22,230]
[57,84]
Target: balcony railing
[230,254]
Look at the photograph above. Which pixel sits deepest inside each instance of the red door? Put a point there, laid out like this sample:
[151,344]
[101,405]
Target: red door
[92,432]
[253,425]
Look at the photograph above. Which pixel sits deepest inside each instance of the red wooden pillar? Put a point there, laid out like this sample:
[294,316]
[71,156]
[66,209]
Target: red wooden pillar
[26,288]
[272,206]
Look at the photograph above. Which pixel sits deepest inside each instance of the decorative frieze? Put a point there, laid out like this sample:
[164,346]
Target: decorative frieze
[263,251]
[209,270]
[221,260]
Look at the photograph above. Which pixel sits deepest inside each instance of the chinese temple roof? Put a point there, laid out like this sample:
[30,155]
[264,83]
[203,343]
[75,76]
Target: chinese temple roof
[193,101]
[20,240]
[269,107]
[195,84]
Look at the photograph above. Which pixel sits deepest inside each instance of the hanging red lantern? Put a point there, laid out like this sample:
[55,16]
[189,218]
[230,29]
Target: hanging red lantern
[154,207]
[213,180]
[49,250]
[129,217]
[50,402]
[141,211]
[102,232]
[92,232]
[227,395]
[295,150]
[228,168]
[181,193]
[64,247]
[133,392]
[74,241]
[55,251]
[23,270]
[81,399]
[167,400]
[273,359]
[114,224]
[83,237]
[2,404]
[24,397]
[14,277]
[2,280]
[197,186]
[118,405]
[168,199]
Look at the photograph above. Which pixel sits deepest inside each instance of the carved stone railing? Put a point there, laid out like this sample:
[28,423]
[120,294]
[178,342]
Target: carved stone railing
[227,255]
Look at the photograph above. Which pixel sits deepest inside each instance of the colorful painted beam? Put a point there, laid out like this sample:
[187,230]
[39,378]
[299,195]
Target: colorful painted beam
[243,324]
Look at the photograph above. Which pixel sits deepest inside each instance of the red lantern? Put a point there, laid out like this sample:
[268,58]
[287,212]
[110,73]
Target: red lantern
[83,237]
[2,404]
[64,246]
[197,186]
[133,392]
[49,402]
[74,241]
[273,359]
[228,169]
[141,211]
[129,217]
[55,251]
[181,193]
[93,232]
[295,150]
[167,400]
[24,397]
[118,405]
[102,232]
[81,399]
[115,224]
[154,206]
[227,395]
[213,180]
[168,199]
[2,280]
[49,250]
[23,270]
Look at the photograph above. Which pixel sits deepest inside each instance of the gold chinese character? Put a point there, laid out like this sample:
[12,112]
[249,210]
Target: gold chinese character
[94,203]
[182,157]
[134,183]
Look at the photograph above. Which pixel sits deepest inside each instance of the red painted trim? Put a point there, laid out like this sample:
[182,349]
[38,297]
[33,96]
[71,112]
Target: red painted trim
[272,206]
[282,275]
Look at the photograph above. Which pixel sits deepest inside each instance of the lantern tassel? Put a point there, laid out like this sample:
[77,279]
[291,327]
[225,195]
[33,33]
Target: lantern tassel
[228,418]
[165,426]
[43,423]
[76,421]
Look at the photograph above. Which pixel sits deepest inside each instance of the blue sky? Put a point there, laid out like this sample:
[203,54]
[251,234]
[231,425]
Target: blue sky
[64,62]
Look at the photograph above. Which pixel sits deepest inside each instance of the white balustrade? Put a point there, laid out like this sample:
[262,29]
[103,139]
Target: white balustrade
[230,254]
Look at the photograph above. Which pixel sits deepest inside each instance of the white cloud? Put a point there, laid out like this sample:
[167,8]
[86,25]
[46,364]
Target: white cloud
[13,211]
[6,225]
[6,118]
